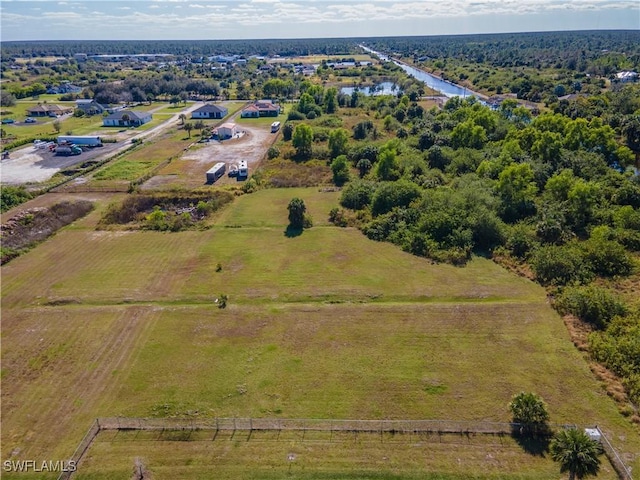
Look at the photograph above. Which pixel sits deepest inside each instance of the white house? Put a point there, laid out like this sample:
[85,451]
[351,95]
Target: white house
[210,111]
[227,130]
[127,118]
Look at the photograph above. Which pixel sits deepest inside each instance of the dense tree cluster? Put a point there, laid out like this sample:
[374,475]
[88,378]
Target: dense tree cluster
[553,191]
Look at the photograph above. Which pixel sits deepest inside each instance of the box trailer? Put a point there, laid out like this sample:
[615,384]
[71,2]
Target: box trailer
[215,172]
[88,140]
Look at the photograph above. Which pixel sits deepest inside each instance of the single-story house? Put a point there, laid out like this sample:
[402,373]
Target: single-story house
[261,108]
[46,110]
[227,130]
[210,111]
[90,106]
[127,118]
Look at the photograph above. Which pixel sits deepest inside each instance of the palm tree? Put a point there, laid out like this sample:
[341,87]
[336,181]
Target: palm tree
[529,410]
[182,118]
[576,452]
[188,127]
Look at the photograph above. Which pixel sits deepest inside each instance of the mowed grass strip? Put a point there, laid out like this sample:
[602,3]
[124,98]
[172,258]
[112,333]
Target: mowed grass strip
[438,361]
[141,160]
[319,456]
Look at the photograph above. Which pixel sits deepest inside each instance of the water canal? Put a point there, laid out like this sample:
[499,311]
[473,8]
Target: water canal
[447,89]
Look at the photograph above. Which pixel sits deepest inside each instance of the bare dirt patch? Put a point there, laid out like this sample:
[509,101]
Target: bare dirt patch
[190,170]
[23,231]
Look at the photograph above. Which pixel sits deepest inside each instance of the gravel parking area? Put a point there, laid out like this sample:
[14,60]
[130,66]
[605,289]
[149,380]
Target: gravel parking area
[32,165]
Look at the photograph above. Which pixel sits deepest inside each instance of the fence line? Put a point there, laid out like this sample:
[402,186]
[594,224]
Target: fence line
[328,425]
[82,448]
[321,425]
[616,462]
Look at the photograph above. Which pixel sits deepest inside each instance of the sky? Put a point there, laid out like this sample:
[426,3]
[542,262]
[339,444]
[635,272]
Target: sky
[256,19]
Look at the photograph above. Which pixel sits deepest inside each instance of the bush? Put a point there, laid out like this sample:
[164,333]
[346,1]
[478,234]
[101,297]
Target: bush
[295,115]
[13,196]
[520,240]
[357,194]
[273,152]
[337,217]
[607,258]
[563,265]
[287,132]
[591,304]
[394,194]
[340,169]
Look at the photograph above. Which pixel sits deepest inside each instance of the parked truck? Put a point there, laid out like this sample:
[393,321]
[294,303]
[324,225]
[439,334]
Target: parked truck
[68,149]
[88,140]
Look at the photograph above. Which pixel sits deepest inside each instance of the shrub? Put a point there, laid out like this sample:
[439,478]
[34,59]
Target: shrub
[520,240]
[340,169]
[287,132]
[357,194]
[591,304]
[394,194]
[12,196]
[563,265]
[295,115]
[337,217]
[607,258]
[273,152]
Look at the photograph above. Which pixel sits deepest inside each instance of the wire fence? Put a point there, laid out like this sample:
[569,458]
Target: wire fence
[333,426]
[258,424]
[82,448]
[616,462]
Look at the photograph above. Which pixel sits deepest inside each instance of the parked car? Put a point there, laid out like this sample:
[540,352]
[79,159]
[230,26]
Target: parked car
[8,120]
[30,120]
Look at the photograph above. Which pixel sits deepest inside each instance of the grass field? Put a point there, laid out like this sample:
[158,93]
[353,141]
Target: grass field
[140,161]
[327,324]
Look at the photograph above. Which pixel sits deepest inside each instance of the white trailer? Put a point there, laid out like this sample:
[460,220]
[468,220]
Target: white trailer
[243,169]
[215,172]
[88,140]
[275,126]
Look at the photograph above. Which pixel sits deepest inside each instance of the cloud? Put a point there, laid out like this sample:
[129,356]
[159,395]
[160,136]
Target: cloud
[299,18]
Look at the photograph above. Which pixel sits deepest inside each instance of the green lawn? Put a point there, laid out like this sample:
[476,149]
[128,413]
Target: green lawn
[327,324]
[141,160]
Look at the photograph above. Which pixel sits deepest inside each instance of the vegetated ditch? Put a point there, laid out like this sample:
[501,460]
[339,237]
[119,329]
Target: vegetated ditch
[165,211]
[25,230]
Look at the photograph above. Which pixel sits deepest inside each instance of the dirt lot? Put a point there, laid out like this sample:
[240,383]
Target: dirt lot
[30,165]
[190,170]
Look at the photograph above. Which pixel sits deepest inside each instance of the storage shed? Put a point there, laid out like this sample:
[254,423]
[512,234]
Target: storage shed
[227,130]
